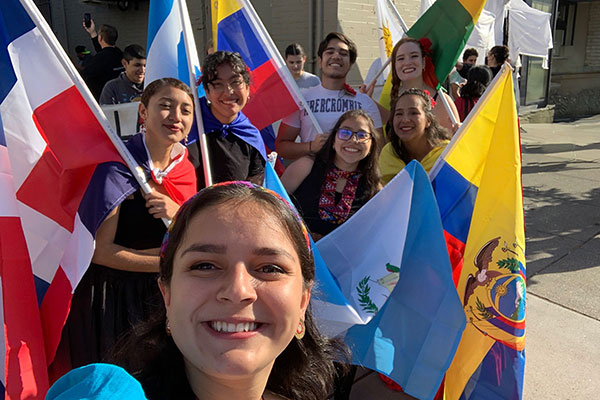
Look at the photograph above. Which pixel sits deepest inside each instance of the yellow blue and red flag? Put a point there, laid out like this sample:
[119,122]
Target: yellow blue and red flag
[477,182]
[237,27]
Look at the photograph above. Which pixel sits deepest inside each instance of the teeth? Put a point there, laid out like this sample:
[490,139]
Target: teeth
[231,328]
[230,102]
[351,150]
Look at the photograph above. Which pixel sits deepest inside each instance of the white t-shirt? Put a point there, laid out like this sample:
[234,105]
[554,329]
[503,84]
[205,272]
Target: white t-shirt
[327,106]
[307,80]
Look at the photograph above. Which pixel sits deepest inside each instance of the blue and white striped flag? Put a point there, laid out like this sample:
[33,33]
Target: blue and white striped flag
[384,284]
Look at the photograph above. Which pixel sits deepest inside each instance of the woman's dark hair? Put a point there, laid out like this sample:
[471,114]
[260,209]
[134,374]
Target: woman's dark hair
[368,166]
[304,370]
[158,84]
[471,51]
[213,61]
[294,49]
[396,82]
[435,133]
[478,80]
[500,53]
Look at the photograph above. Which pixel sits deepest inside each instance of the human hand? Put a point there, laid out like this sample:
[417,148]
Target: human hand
[160,205]
[455,127]
[368,90]
[92,29]
[318,142]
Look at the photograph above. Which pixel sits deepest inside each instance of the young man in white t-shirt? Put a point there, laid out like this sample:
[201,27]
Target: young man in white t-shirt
[328,101]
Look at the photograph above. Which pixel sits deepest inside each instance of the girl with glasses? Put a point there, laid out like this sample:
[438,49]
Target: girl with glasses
[414,134]
[236,150]
[330,186]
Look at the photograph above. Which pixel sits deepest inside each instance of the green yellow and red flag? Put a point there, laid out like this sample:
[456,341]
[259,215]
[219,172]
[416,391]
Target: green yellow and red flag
[448,25]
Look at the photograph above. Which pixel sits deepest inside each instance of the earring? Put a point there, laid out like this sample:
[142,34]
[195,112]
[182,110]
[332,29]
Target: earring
[185,140]
[300,330]
[168,327]
[143,127]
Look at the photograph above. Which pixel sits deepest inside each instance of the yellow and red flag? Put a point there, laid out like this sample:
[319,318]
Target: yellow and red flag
[477,182]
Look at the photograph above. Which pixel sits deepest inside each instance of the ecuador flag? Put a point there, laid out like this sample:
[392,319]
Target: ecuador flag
[477,182]
[237,27]
[448,25]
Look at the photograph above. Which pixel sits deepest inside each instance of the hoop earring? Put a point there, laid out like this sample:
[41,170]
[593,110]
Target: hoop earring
[300,330]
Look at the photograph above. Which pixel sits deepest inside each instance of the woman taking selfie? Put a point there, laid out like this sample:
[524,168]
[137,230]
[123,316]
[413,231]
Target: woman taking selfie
[236,272]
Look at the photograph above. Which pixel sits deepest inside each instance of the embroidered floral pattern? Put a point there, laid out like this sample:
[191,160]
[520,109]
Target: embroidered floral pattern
[328,209]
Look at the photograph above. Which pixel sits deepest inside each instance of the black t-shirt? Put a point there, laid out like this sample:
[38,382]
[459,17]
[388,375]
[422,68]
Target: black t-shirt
[102,67]
[231,159]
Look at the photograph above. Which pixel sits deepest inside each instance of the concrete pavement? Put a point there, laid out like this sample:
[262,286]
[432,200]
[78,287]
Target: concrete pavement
[561,187]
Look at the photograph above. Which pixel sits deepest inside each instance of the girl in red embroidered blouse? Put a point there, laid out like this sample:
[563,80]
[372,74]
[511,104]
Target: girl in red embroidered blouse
[330,186]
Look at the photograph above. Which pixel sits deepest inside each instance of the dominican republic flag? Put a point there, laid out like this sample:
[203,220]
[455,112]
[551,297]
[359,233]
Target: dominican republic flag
[273,91]
[384,284]
[50,144]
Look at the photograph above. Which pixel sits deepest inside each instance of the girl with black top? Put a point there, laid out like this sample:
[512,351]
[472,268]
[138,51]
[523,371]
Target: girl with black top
[119,287]
[330,186]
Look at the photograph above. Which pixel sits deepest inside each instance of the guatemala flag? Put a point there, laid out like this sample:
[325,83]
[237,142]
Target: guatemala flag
[384,284]
[50,144]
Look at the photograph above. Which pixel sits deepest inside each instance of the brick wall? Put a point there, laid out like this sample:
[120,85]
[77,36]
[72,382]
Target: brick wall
[592,49]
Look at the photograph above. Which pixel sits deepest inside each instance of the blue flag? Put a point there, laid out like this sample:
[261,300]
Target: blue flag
[384,284]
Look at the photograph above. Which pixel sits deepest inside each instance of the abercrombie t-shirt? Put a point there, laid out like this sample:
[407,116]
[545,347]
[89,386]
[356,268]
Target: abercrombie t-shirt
[327,106]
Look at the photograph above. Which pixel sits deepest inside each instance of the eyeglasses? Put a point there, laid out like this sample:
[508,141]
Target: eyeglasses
[360,136]
[220,87]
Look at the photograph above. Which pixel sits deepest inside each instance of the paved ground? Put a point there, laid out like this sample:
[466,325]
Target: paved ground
[561,187]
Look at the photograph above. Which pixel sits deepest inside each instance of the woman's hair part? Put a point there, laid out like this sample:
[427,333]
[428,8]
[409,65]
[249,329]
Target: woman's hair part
[158,84]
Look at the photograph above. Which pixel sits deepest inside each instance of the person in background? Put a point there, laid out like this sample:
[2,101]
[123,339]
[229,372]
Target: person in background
[236,150]
[411,68]
[295,59]
[106,63]
[456,81]
[415,134]
[334,184]
[480,77]
[128,86]
[83,56]
[328,101]
[119,287]
[497,56]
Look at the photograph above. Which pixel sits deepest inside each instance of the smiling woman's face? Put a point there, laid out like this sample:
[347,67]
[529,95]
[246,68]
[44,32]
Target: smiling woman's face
[227,94]
[237,293]
[409,61]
